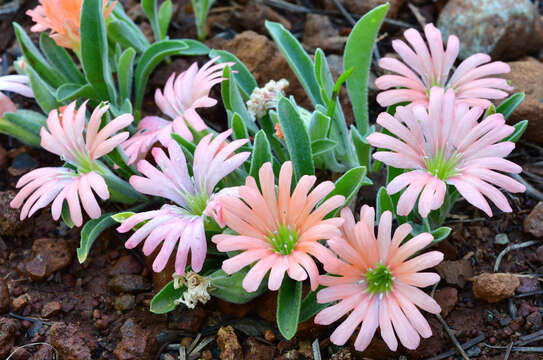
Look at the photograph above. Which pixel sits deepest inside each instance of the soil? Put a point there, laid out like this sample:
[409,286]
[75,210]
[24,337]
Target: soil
[99,309]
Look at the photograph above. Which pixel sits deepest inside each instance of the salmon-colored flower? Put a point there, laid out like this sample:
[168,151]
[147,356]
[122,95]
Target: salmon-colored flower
[14,83]
[426,65]
[278,230]
[62,17]
[64,137]
[378,282]
[181,224]
[446,144]
[182,95]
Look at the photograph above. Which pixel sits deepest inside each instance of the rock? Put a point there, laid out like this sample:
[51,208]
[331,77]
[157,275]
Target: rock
[342,354]
[320,33]
[129,284]
[504,29]
[20,354]
[304,348]
[10,225]
[126,265]
[4,296]
[50,255]
[136,343]
[254,16]
[189,320]
[533,223]
[44,353]
[20,302]
[51,309]
[124,302]
[8,331]
[257,350]
[447,299]
[522,77]
[528,285]
[495,287]
[228,343]
[359,7]
[501,239]
[455,272]
[22,164]
[265,62]
[266,306]
[72,342]
[533,321]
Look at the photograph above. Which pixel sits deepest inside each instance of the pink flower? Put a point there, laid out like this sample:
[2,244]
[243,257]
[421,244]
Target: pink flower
[425,66]
[64,137]
[183,94]
[181,224]
[278,230]
[14,83]
[377,283]
[446,144]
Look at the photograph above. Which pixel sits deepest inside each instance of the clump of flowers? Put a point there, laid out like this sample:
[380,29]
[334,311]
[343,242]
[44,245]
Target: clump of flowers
[377,282]
[80,145]
[446,144]
[278,230]
[181,224]
[14,83]
[426,65]
[63,18]
[182,95]
[266,98]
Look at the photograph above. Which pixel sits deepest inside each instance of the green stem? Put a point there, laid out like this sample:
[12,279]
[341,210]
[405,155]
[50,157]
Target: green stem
[427,224]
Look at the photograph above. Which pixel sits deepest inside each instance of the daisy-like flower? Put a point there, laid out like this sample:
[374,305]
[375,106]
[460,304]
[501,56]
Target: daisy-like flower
[62,17]
[446,144]
[182,95]
[279,230]
[14,83]
[426,65]
[64,137]
[181,224]
[378,282]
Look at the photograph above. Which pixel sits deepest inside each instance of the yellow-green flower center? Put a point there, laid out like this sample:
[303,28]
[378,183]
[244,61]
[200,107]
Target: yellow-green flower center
[379,279]
[441,165]
[283,240]
[197,203]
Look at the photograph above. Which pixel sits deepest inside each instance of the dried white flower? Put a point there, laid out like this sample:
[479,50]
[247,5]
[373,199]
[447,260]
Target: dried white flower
[266,98]
[197,289]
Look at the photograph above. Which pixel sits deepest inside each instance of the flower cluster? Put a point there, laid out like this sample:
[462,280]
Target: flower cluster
[266,98]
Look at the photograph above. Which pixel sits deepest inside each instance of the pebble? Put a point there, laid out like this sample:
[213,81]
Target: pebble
[533,321]
[8,331]
[50,255]
[320,33]
[258,351]
[533,222]
[229,344]
[269,335]
[447,299]
[129,284]
[504,29]
[501,239]
[124,302]
[22,164]
[51,309]
[136,343]
[4,296]
[126,265]
[455,272]
[19,302]
[528,285]
[185,319]
[493,288]
[44,353]
[72,342]
[10,225]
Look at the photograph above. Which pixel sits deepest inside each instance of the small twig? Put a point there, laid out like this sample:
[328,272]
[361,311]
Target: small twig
[510,248]
[528,338]
[316,350]
[531,293]
[530,190]
[508,352]
[465,346]
[33,344]
[420,19]
[345,13]
[536,349]
[453,338]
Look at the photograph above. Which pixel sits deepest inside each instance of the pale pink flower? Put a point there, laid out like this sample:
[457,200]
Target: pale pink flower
[378,282]
[14,83]
[182,95]
[426,65]
[181,224]
[64,137]
[446,144]
[278,230]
